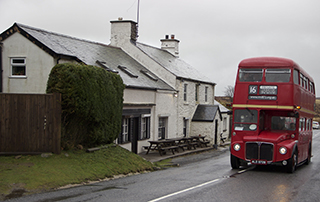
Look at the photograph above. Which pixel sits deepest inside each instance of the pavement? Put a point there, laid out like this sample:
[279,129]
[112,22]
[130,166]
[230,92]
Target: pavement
[154,156]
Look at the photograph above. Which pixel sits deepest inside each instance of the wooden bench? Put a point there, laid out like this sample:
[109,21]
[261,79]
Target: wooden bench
[162,150]
[193,144]
[204,142]
[183,145]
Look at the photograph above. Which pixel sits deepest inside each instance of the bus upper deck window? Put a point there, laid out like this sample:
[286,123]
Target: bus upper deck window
[296,76]
[278,75]
[250,75]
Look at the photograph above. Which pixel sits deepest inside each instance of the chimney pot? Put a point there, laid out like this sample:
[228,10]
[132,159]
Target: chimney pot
[170,44]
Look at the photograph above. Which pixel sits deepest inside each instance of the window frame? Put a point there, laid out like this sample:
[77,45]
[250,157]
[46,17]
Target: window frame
[185,92]
[224,124]
[145,127]
[206,94]
[277,75]
[125,126]
[185,127]
[15,64]
[162,127]
[196,92]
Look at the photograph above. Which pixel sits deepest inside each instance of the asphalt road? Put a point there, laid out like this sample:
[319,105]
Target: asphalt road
[202,177]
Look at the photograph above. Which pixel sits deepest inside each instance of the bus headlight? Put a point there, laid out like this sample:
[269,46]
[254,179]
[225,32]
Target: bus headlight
[236,147]
[283,150]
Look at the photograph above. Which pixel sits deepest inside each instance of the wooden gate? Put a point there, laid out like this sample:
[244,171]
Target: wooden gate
[30,123]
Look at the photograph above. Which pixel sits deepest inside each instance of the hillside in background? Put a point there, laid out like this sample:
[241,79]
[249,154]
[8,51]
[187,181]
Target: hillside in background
[225,101]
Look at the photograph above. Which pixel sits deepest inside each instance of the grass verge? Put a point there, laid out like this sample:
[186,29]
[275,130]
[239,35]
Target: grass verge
[36,174]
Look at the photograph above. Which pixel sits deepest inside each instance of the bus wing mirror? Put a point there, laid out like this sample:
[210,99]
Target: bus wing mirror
[296,114]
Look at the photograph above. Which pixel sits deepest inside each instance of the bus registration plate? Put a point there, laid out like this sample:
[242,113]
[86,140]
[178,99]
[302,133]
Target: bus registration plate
[258,162]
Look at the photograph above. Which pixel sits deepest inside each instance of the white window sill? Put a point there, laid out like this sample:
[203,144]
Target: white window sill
[18,77]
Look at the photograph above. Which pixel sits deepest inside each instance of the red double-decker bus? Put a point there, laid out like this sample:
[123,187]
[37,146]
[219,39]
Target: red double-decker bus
[273,108]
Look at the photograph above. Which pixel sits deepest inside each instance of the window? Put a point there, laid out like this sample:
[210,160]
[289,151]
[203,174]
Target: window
[301,80]
[283,123]
[127,71]
[302,124]
[196,92]
[224,123]
[162,128]
[185,126]
[250,75]
[104,65]
[18,66]
[306,83]
[148,74]
[245,119]
[185,92]
[125,131]
[308,124]
[311,87]
[145,128]
[206,94]
[296,76]
[278,75]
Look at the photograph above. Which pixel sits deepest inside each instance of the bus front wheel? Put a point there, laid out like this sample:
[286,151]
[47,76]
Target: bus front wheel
[292,163]
[235,162]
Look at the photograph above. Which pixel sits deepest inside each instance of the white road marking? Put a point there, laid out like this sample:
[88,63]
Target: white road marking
[185,190]
[191,188]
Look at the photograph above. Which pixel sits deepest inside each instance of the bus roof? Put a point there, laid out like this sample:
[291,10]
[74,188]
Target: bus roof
[271,62]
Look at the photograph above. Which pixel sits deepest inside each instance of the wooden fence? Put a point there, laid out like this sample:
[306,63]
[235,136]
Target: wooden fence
[30,123]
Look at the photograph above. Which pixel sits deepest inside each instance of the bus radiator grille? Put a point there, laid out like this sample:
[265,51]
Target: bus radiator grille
[259,150]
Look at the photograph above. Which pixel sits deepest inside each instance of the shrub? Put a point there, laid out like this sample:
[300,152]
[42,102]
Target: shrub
[91,102]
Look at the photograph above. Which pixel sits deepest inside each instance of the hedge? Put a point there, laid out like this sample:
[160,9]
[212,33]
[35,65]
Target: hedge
[92,100]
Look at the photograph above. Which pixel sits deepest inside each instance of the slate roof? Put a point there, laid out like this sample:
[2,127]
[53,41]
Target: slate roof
[89,53]
[173,64]
[206,113]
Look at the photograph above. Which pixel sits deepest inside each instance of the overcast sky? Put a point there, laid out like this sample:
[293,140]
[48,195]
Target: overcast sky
[215,35]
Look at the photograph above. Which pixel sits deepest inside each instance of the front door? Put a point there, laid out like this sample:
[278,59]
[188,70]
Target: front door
[134,134]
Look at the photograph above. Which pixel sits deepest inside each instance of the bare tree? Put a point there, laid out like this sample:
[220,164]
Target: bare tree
[229,91]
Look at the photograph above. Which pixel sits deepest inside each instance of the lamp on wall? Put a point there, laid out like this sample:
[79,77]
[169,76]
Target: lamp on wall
[175,94]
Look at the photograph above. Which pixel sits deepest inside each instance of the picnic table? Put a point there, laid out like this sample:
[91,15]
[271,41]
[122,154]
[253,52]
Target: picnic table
[175,143]
[163,145]
[200,140]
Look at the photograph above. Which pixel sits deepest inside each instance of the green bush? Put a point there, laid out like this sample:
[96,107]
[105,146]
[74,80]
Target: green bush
[91,104]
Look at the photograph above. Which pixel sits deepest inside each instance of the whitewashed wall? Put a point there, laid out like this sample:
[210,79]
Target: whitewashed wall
[38,66]
[186,109]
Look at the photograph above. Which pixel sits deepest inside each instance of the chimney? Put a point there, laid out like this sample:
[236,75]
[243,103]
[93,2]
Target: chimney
[123,31]
[171,45]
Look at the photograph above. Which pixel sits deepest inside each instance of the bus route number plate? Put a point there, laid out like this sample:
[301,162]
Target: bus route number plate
[259,162]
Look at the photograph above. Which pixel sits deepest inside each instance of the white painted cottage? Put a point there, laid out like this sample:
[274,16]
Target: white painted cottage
[162,92]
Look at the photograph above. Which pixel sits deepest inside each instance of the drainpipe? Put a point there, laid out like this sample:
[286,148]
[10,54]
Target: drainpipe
[1,67]
[58,59]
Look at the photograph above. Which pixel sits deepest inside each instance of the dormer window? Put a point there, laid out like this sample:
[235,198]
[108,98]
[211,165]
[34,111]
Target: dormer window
[127,71]
[147,73]
[18,66]
[104,65]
